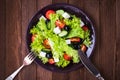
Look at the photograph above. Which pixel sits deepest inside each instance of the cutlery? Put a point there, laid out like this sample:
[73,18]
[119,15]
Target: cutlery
[27,61]
[88,64]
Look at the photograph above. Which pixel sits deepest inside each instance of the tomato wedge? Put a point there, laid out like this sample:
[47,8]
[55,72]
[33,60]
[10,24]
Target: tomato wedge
[33,37]
[48,13]
[51,61]
[59,24]
[46,44]
[83,48]
[76,39]
[85,28]
[67,57]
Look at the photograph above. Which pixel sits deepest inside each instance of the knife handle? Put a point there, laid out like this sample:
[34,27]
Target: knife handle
[99,77]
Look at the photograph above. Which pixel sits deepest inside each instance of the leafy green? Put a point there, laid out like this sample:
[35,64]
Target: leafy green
[58,44]
[60,12]
[76,30]
[53,18]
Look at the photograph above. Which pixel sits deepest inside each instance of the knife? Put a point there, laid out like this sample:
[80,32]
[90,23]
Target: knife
[88,64]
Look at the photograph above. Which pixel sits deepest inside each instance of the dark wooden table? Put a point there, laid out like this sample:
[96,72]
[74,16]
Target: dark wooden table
[15,16]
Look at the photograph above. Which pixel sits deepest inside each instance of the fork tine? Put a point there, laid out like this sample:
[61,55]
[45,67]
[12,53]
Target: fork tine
[29,54]
[32,56]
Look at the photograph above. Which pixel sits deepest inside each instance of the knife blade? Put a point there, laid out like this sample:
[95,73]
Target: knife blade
[88,64]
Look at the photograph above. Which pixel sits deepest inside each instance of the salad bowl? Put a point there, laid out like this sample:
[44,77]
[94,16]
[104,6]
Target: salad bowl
[73,11]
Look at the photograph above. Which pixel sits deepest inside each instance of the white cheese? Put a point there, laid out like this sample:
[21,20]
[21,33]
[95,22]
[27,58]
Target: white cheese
[68,41]
[81,23]
[42,17]
[56,59]
[42,54]
[66,15]
[57,30]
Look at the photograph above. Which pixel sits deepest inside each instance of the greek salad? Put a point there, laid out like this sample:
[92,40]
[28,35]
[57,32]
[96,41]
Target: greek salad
[57,36]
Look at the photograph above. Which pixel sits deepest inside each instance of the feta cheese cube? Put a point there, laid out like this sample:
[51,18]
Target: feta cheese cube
[56,59]
[66,15]
[81,23]
[68,41]
[42,17]
[42,54]
[57,30]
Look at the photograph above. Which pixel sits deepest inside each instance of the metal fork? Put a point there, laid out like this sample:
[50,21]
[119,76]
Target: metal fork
[27,61]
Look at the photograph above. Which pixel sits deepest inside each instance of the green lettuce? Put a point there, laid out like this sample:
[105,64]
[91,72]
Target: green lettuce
[44,30]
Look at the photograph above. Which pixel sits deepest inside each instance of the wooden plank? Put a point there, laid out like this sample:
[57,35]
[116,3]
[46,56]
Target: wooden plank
[28,11]
[43,74]
[13,36]
[91,8]
[60,76]
[107,38]
[59,1]
[41,4]
[76,75]
[117,62]
[2,39]
[77,3]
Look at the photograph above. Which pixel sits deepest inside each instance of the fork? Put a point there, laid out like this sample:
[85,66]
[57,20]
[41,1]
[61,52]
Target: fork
[27,61]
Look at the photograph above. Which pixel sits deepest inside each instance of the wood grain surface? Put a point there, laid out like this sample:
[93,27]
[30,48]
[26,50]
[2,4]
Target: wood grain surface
[14,19]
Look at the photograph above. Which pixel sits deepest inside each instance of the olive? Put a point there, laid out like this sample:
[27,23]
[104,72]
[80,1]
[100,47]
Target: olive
[67,28]
[76,46]
[81,41]
[71,18]
[47,21]
[49,55]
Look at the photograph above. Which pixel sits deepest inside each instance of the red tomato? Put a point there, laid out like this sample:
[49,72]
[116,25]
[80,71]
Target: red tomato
[75,39]
[83,48]
[48,13]
[46,44]
[85,28]
[51,61]
[67,57]
[60,24]
[33,37]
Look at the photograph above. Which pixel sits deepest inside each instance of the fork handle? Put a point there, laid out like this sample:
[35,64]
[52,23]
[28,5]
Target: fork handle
[12,76]
[99,77]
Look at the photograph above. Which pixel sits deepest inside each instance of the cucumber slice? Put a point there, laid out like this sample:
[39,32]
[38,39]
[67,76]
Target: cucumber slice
[63,33]
[61,12]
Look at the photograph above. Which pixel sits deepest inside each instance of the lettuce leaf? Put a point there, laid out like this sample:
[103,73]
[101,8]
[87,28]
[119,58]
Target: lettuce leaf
[76,30]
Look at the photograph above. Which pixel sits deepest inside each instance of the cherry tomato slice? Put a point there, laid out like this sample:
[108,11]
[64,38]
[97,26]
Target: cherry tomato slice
[46,44]
[33,37]
[48,13]
[51,61]
[60,24]
[67,57]
[85,28]
[83,48]
[75,39]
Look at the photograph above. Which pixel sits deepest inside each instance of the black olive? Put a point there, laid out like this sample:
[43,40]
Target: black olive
[71,18]
[81,41]
[47,21]
[76,46]
[49,55]
[67,28]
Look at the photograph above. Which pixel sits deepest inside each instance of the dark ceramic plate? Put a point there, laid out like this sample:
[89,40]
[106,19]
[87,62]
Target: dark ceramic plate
[72,10]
